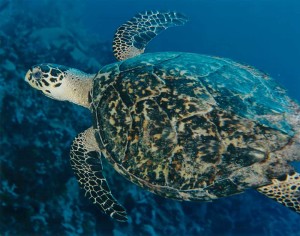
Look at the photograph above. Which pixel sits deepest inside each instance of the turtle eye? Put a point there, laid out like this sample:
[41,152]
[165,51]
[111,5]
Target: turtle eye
[37,75]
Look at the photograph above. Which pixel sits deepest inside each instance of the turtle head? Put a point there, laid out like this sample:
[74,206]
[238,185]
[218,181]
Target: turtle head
[48,78]
[61,82]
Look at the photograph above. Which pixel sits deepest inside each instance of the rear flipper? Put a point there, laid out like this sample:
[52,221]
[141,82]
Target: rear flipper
[286,192]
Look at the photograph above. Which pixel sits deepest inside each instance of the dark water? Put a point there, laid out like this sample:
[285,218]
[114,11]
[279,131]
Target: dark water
[39,194]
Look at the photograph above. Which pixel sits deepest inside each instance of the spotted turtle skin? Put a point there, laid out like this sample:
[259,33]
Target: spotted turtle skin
[189,126]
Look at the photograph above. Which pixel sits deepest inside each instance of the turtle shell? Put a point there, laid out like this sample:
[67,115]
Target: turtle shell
[190,126]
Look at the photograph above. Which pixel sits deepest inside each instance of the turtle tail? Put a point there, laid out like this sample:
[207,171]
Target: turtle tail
[287,190]
[291,151]
[295,121]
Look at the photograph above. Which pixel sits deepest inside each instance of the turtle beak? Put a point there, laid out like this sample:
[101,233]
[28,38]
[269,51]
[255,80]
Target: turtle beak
[28,76]
[31,80]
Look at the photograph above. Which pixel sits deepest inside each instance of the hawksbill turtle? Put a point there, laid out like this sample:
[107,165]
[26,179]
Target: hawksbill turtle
[182,125]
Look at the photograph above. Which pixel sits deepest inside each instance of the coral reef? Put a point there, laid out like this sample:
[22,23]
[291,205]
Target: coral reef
[38,191]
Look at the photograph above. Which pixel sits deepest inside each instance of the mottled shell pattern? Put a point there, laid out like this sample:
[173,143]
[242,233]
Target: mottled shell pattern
[189,126]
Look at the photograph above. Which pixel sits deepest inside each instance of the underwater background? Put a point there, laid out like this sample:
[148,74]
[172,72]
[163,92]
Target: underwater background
[39,194]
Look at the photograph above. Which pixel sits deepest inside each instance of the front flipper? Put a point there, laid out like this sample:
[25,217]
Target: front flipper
[86,163]
[286,192]
[132,37]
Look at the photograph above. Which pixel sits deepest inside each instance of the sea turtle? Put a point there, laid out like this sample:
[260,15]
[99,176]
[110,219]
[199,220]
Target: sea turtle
[184,126]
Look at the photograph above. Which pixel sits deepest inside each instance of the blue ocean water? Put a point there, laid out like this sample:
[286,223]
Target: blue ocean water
[39,194]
